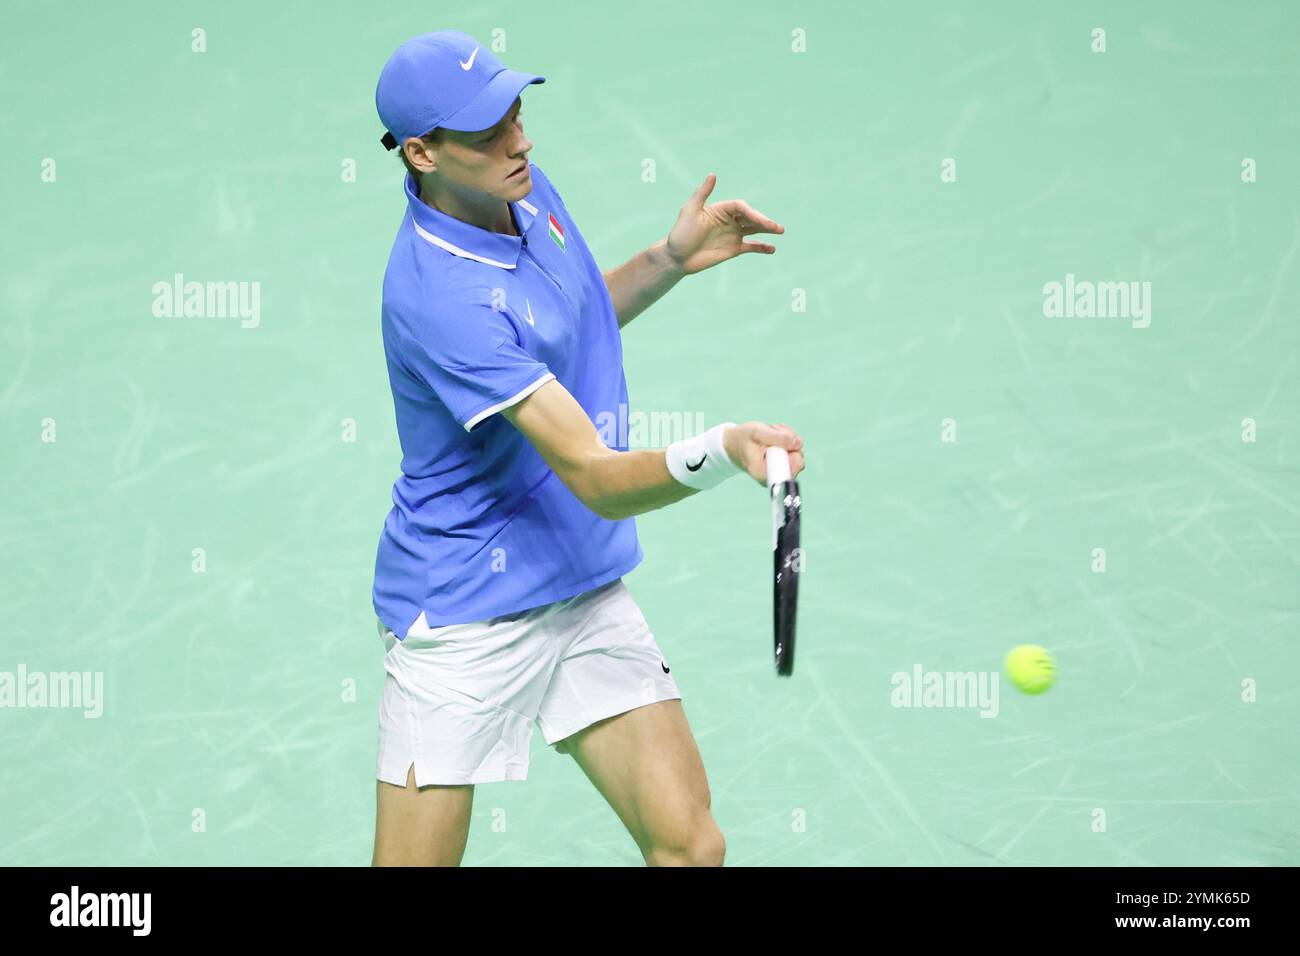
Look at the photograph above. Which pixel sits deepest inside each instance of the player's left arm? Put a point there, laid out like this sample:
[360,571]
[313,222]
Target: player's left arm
[641,281]
[702,237]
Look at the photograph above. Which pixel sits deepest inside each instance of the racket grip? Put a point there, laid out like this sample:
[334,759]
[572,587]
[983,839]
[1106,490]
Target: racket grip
[778,466]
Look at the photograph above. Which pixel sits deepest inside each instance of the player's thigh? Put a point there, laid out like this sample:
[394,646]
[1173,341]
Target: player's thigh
[421,826]
[646,764]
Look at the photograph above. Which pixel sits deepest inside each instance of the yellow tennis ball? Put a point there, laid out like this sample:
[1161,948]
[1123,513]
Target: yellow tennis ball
[1031,668]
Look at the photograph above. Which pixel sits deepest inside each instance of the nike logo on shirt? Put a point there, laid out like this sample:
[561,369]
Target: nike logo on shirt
[529,316]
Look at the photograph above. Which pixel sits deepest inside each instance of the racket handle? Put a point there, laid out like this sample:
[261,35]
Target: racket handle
[778,466]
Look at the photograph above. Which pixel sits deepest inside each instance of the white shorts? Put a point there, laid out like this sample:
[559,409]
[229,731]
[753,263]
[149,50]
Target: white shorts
[459,701]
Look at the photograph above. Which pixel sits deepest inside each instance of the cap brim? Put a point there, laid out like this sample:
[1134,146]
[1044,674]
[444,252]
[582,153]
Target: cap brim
[492,103]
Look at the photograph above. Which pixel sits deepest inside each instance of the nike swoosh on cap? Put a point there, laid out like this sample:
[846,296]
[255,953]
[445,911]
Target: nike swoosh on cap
[470,62]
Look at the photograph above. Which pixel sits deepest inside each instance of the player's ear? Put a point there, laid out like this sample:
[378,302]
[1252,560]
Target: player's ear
[423,153]
[415,153]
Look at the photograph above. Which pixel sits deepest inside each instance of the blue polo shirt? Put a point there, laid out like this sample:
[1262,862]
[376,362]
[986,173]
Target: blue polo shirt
[473,322]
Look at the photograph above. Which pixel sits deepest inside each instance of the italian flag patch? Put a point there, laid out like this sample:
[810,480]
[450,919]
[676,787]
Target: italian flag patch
[556,231]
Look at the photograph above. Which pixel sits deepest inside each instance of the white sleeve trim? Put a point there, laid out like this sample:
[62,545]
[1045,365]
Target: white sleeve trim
[519,396]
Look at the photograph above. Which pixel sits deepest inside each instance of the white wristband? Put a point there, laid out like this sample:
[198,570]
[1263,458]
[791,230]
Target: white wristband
[701,462]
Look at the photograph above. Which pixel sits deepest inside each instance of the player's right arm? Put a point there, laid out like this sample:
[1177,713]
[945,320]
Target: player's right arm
[617,484]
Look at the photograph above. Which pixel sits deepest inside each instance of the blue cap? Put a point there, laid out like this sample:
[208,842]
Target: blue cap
[445,79]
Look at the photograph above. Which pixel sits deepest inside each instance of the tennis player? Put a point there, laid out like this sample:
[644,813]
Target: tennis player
[498,579]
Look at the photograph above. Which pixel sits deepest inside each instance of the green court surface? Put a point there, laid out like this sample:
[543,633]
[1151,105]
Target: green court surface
[189,507]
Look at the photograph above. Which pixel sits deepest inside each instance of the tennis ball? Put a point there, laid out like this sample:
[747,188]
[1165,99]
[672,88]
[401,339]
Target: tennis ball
[1030,668]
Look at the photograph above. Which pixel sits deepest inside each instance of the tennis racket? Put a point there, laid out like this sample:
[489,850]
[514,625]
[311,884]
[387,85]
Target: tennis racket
[788,557]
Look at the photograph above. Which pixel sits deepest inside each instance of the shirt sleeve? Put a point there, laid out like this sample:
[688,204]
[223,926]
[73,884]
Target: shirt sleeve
[473,362]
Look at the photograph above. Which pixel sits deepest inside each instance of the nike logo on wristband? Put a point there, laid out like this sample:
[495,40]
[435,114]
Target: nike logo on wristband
[698,465]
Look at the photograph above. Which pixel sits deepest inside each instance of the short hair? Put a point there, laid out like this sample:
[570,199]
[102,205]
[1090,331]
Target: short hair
[432,138]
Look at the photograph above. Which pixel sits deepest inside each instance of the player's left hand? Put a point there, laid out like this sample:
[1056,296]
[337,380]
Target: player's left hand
[704,235]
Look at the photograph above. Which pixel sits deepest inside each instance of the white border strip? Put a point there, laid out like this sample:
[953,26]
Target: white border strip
[457,250]
[517,397]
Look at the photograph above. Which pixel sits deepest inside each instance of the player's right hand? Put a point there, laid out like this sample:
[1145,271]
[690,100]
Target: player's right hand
[747,445]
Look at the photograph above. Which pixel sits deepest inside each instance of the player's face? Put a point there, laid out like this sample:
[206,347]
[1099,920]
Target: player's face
[490,159]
